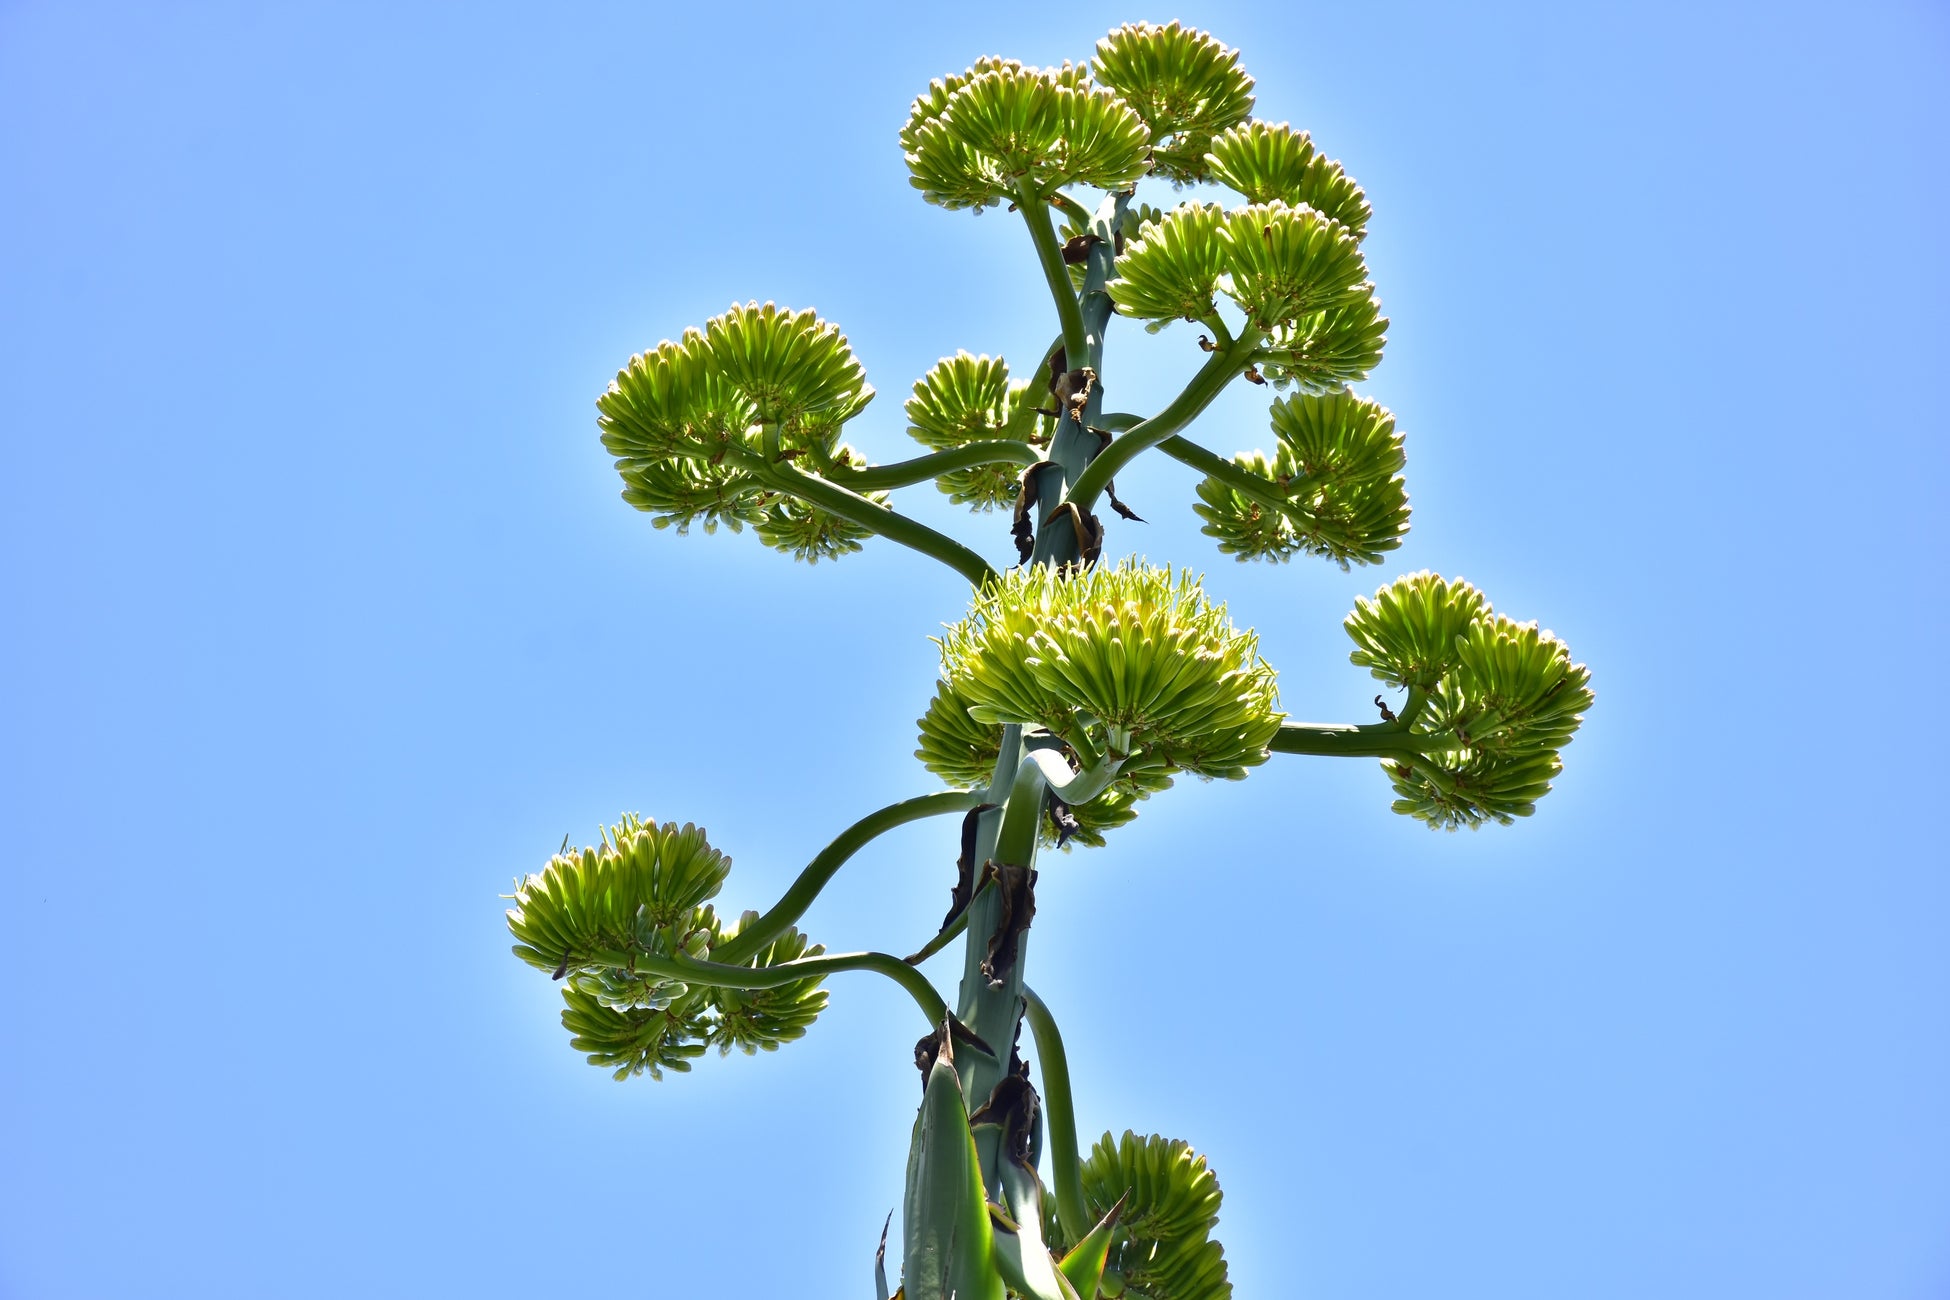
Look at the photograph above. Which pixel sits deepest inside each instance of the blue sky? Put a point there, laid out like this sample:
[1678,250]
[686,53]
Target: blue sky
[326,623]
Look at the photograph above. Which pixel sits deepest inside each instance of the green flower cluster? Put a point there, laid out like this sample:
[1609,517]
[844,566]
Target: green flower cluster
[1161,1243]
[1126,660]
[616,921]
[1333,488]
[1502,698]
[694,424]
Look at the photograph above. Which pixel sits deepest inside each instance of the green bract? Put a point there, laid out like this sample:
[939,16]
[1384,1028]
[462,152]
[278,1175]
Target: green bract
[1009,126]
[1161,1245]
[1185,85]
[1125,657]
[1268,164]
[1332,489]
[640,890]
[1137,781]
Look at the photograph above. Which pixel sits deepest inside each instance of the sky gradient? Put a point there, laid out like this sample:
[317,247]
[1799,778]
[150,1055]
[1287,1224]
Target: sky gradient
[326,623]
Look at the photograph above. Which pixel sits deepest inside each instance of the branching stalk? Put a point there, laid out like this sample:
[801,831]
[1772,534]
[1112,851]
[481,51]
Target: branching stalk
[1379,740]
[793,904]
[719,975]
[854,508]
[1245,482]
[925,469]
[1220,369]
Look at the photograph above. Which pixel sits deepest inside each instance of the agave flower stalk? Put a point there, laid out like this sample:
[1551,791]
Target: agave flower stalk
[1076,687]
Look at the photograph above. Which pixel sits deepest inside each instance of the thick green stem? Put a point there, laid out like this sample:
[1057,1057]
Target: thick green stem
[1016,843]
[1220,369]
[1075,441]
[906,473]
[1066,1162]
[992,1010]
[1245,482]
[1042,233]
[719,975]
[822,868]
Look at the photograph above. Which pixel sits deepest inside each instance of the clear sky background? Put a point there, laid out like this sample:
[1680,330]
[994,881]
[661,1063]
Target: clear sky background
[323,622]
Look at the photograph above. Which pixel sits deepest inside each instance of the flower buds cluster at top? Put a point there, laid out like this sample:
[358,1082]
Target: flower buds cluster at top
[694,423]
[642,893]
[1502,699]
[1151,103]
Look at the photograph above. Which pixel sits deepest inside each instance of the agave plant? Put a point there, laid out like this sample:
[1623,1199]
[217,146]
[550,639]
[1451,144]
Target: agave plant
[1075,688]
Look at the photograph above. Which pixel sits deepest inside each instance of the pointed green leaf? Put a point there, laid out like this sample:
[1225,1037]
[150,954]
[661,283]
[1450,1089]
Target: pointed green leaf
[1083,1264]
[949,1243]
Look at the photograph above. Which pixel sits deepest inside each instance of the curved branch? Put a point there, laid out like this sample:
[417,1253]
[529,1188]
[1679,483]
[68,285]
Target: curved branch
[719,975]
[1380,740]
[1066,1162]
[906,473]
[1072,209]
[1042,232]
[1210,463]
[854,508]
[1015,843]
[793,904]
